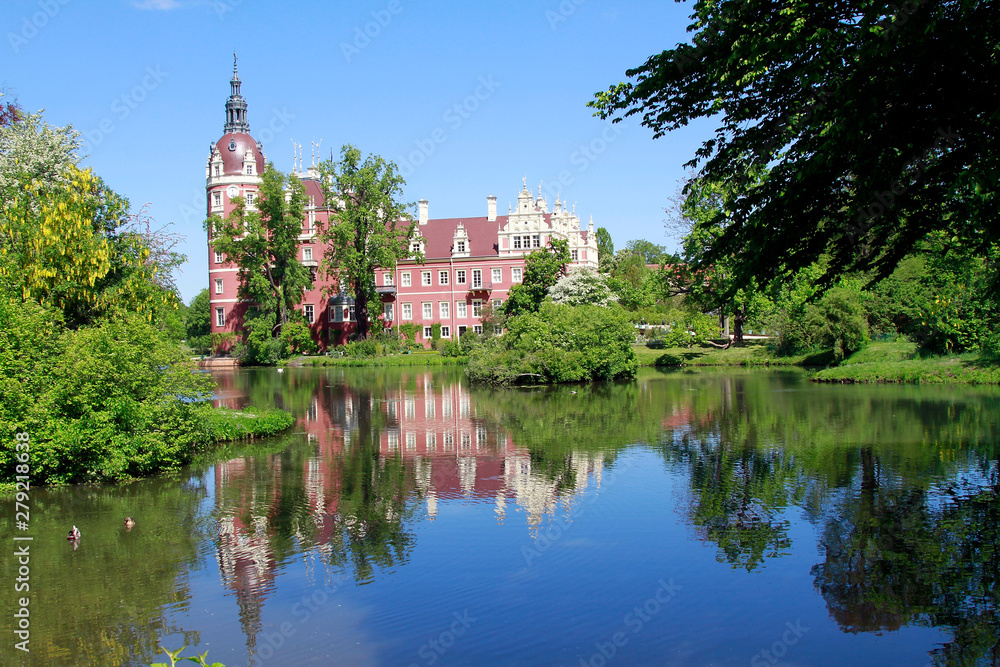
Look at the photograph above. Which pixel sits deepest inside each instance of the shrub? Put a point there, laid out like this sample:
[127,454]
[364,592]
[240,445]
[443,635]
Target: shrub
[559,343]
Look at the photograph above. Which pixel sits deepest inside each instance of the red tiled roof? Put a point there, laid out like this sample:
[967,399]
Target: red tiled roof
[440,235]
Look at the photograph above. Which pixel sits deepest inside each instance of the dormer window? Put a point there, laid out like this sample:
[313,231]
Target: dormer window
[218,169]
[249,170]
[460,246]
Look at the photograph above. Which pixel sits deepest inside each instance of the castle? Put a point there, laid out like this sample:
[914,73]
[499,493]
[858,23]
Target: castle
[468,262]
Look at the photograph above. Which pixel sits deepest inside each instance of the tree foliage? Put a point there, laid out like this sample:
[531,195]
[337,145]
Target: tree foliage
[876,123]
[369,226]
[605,249]
[264,243]
[542,269]
[582,286]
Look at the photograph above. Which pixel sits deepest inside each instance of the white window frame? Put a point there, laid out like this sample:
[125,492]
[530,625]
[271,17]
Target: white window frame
[404,279]
[574,255]
[460,246]
[477,328]
[220,316]
[515,274]
[251,198]
[307,254]
[461,309]
[497,303]
[460,276]
[407,311]
[427,310]
[309,312]
[496,275]
[477,309]
[517,243]
[387,279]
[445,331]
[216,198]
[387,311]
[218,285]
[536,241]
[428,333]
[337,313]
[218,257]
[442,277]
[425,278]
[444,310]
[477,278]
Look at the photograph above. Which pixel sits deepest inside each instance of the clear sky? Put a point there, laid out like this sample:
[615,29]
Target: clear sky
[466,97]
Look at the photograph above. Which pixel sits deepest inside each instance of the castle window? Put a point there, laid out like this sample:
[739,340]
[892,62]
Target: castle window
[404,278]
[217,199]
[477,278]
[496,304]
[428,310]
[478,328]
[445,332]
[250,199]
[307,254]
[388,312]
[336,313]
[444,309]
[425,278]
[217,169]
[351,314]
[460,276]
[249,170]
[407,311]
[220,317]
[497,275]
[428,332]
[536,241]
[218,257]
[461,309]
[310,313]
[460,246]
[515,274]
[517,243]
[477,309]
[574,255]
[387,279]
[218,285]
[442,277]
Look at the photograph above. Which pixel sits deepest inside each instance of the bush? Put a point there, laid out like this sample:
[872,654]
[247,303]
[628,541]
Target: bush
[559,343]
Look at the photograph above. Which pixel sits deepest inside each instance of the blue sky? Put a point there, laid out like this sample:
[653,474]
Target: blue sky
[466,97]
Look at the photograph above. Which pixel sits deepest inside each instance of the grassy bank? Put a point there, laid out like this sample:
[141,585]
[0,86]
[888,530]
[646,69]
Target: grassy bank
[226,425]
[889,362]
[900,363]
[752,353]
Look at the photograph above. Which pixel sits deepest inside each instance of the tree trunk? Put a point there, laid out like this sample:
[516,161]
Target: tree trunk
[361,311]
[739,317]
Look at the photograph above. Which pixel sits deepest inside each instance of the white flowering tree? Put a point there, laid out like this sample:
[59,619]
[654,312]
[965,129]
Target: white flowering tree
[582,286]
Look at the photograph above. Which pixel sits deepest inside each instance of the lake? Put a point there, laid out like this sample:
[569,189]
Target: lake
[686,518]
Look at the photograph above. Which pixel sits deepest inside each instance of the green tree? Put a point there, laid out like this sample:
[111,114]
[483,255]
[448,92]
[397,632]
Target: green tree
[582,286]
[263,243]
[198,323]
[647,250]
[542,269]
[605,250]
[369,228]
[861,164]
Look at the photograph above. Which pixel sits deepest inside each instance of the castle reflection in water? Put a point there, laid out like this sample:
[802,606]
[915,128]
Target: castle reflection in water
[432,432]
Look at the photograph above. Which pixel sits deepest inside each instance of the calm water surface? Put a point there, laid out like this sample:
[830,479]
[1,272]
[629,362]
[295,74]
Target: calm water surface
[737,518]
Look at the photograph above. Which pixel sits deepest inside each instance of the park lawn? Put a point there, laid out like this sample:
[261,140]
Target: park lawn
[751,353]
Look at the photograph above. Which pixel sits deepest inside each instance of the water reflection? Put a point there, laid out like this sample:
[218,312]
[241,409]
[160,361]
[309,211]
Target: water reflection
[889,493]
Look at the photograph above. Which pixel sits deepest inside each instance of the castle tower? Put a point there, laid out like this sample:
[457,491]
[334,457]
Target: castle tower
[235,164]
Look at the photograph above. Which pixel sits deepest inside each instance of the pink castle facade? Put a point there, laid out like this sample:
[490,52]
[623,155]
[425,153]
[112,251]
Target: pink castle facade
[468,262]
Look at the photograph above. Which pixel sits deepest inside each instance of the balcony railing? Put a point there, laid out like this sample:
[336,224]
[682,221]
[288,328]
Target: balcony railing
[386,290]
[481,286]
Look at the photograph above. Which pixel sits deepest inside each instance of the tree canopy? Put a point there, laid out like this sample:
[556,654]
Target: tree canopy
[542,269]
[369,227]
[851,129]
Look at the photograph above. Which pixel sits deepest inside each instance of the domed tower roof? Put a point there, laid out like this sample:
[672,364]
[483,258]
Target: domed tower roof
[236,141]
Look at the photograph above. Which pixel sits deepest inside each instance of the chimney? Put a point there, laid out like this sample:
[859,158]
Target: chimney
[491,208]
[423,211]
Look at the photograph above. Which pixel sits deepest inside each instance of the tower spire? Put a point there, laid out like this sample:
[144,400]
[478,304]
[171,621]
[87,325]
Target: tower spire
[236,106]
